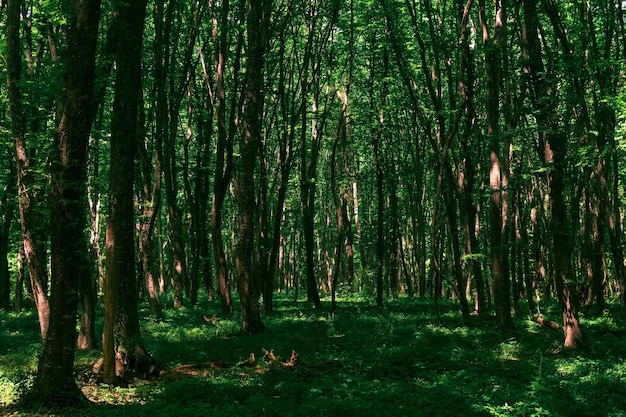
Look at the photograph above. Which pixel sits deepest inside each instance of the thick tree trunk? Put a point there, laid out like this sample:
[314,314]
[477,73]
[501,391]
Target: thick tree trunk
[123,350]
[55,384]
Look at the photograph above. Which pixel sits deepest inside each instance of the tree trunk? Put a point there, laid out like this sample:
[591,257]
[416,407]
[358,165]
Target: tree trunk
[380,198]
[309,174]
[310,148]
[224,153]
[174,214]
[6,214]
[553,144]
[32,227]
[498,216]
[88,291]
[150,209]
[244,250]
[202,195]
[468,206]
[123,350]
[55,384]
[285,164]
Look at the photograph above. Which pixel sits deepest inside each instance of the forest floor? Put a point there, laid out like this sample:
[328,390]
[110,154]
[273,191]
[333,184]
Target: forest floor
[399,360]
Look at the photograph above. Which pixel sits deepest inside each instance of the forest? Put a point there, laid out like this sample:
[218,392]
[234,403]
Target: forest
[448,170]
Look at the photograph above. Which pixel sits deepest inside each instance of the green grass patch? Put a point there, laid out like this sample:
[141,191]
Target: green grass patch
[393,361]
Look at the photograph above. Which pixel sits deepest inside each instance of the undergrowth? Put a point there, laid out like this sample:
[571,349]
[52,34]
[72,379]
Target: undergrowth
[398,360]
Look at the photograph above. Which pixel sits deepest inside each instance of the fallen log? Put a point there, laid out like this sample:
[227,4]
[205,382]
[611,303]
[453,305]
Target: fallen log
[544,323]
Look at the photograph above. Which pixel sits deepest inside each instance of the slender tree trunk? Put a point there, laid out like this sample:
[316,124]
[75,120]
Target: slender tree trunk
[392,241]
[498,215]
[468,206]
[244,250]
[308,186]
[554,148]
[526,254]
[174,214]
[202,193]
[19,281]
[310,149]
[150,210]
[224,153]
[285,164]
[6,214]
[33,236]
[88,292]
[380,198]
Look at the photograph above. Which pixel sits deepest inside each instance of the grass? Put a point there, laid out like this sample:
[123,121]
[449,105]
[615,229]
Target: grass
[392,361]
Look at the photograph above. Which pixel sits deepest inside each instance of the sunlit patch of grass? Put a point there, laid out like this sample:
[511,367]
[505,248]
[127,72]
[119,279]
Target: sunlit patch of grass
[509,350]
[113,395]
[13,386]
[8,391]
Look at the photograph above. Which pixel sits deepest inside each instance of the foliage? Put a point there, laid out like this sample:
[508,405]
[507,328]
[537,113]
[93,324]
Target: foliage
[363,360]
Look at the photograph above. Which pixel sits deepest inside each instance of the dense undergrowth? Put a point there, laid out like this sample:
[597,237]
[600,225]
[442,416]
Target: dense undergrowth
[393,361]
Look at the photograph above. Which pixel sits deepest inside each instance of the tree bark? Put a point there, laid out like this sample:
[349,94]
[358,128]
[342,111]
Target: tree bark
[285,165]
[554,147]
[150,210]
[33,235]
[224,153]
[310,149]
[469,207]
[6,214]
[123,349]
[55,384]
[498,215]
[244,250]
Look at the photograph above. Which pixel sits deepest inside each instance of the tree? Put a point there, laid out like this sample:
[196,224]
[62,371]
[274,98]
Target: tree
[246,283]
[498,215]
[314,50]
[33,235]
[122,346]
[469,205]
[55,382]
[225,138]
[553,145]
[6,216]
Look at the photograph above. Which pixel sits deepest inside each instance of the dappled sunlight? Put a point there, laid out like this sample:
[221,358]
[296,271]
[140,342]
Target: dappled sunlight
[358,361]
